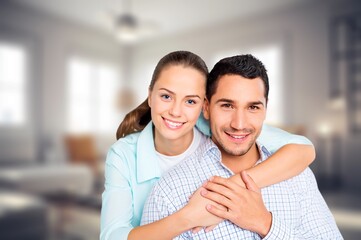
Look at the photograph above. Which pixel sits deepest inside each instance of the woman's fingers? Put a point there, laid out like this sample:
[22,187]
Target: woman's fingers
[197,229]
[250,184]
[226,182]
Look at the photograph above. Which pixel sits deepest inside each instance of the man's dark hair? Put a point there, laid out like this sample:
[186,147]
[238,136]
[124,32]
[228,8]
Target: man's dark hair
[246,66]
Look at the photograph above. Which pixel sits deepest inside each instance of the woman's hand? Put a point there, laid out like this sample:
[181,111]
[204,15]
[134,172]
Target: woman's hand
[236,178]
[197,213]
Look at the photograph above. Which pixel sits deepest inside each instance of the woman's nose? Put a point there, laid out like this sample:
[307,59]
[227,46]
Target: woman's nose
[175,109]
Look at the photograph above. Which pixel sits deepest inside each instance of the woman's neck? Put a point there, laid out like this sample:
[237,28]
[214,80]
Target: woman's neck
[172,147]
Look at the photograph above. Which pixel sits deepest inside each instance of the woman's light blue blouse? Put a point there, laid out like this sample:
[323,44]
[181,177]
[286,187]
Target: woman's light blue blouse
[131,169]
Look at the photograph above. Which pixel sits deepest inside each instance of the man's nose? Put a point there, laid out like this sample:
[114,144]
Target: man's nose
[239,119]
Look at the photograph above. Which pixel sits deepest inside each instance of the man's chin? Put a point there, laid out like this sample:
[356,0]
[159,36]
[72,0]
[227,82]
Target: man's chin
[235,152]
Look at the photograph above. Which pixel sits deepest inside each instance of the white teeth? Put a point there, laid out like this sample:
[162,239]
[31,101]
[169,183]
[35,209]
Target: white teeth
[237,137]
[173,124]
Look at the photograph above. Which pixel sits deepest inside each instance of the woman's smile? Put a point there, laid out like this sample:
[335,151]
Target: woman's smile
[173,124]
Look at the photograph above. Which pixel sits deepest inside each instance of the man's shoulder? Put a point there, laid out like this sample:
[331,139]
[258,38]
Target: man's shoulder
[302,183]
[306,178]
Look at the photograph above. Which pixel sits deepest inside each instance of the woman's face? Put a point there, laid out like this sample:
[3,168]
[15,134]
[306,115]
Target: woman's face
[176,102]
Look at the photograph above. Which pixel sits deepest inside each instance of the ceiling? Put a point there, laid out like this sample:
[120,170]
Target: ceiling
[169,16]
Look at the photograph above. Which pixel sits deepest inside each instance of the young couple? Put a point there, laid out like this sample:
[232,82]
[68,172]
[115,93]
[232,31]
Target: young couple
[161,133]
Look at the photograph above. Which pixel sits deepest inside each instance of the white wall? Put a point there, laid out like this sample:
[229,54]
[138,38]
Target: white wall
[51,41]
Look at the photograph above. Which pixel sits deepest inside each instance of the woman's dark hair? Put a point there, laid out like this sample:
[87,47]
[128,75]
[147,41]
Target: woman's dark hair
[137,119]
[246,66]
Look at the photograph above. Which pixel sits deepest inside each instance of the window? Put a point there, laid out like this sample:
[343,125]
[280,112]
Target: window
[12,84]
[271,57]
[92,92]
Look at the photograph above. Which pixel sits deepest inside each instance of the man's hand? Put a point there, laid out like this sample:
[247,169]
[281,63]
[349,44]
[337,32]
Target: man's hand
[245,206]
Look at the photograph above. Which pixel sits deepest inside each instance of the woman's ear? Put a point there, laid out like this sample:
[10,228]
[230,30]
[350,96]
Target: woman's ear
[206,109]
[149,97]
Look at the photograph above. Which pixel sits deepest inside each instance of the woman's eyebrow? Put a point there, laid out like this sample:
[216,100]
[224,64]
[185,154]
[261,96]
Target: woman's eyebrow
[192,95]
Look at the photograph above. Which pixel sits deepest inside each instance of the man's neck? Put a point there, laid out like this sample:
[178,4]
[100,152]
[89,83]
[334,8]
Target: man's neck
[239,163]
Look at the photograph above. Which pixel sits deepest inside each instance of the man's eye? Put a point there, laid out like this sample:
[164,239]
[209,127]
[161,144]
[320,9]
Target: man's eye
[191,101]
[254,107]
[226,105]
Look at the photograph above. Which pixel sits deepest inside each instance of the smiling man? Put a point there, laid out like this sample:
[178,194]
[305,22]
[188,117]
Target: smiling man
[237,95]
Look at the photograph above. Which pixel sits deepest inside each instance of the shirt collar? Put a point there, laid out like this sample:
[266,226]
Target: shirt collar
[263,151]
[147,160]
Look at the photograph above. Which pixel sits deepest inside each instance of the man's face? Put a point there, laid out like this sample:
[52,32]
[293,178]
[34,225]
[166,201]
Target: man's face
[236,113]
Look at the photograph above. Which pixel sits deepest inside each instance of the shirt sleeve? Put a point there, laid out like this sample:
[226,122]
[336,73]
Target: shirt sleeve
[155,207]
[316,220]
[116,212]
[274,138]
[159,205]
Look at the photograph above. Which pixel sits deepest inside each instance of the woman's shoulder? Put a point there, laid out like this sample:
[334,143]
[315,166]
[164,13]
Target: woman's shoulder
[122,154]
[125,144]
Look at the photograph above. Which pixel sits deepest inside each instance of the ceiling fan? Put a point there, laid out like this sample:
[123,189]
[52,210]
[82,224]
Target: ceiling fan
[125,25]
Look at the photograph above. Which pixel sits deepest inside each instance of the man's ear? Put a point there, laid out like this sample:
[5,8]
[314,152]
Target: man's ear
[206,109]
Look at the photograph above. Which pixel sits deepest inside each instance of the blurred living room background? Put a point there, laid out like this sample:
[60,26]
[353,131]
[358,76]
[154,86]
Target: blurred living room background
[70,70]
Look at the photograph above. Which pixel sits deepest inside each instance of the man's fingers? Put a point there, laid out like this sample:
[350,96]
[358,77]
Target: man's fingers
[224,187]
[217,198]
[221,213]
[250,184]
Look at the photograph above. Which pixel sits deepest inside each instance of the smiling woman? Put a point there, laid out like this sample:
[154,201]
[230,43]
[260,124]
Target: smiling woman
[176,100]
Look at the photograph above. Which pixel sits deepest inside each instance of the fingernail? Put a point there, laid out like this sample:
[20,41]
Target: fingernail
[211,178]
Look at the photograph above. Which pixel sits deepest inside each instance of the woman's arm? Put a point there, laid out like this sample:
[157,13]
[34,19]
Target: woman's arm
[119,207]
[166,228]
[291,155]
[287,162]
[117,210]
[192,215]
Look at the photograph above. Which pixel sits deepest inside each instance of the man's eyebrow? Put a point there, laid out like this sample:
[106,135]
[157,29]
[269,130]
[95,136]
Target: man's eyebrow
[167,90]
[226,100]
[257,103]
